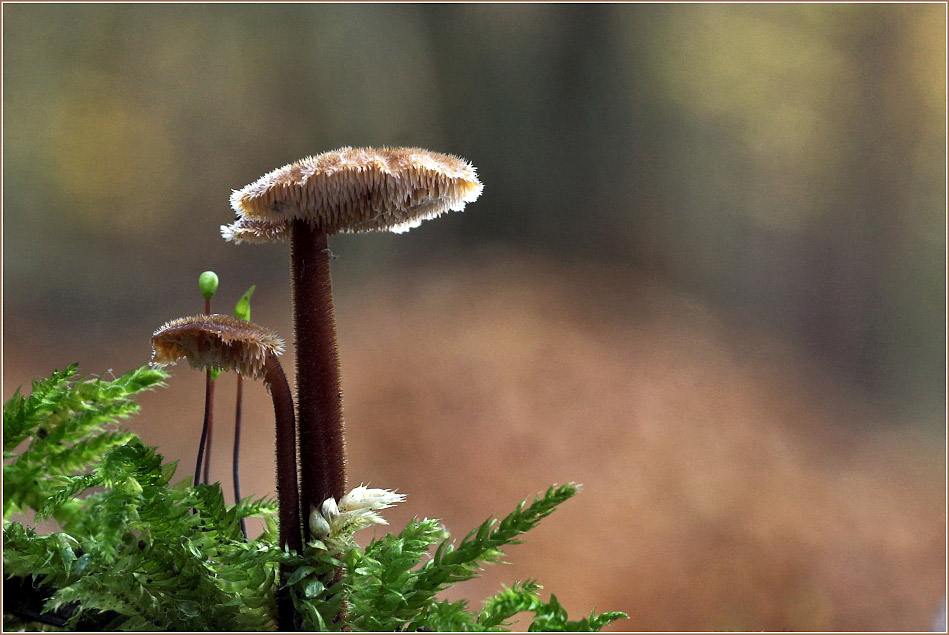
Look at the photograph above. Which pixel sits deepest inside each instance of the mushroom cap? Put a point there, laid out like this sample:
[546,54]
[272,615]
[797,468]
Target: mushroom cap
[218,341]
[353,190]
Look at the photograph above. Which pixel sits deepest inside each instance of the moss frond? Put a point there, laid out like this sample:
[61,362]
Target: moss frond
[136,551]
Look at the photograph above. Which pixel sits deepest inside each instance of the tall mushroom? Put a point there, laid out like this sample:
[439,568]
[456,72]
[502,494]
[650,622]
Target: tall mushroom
[221,341]
[348,190]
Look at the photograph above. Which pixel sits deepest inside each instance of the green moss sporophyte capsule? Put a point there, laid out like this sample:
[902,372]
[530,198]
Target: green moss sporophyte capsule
[208,282]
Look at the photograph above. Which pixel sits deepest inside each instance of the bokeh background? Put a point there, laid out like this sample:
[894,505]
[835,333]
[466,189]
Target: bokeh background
[706,277]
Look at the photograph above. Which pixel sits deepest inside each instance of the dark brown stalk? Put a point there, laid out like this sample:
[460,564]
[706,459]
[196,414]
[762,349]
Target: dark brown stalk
[235,459]
[206,428]
[208,413]
[206,479]
[288,498]
[319,400]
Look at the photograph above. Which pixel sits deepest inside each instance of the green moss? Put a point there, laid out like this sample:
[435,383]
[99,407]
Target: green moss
[137,551]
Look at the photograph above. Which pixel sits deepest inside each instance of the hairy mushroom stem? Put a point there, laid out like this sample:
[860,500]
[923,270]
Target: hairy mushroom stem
[286,450]
[319,398]
[288,497]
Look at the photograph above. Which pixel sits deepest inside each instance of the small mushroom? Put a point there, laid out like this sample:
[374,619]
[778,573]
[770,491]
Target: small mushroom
[349,190]
[229,343]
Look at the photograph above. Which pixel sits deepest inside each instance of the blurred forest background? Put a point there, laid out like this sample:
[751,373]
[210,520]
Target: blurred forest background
[706,277]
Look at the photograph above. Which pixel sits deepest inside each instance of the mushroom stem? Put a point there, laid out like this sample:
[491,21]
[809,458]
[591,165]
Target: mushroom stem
[286,450]
[319,399]
[288,499]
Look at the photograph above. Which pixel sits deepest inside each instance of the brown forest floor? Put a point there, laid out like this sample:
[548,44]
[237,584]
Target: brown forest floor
[728,482]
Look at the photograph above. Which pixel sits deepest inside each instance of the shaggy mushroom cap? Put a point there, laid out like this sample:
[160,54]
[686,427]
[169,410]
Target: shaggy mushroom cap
[219,341]
[353,190]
